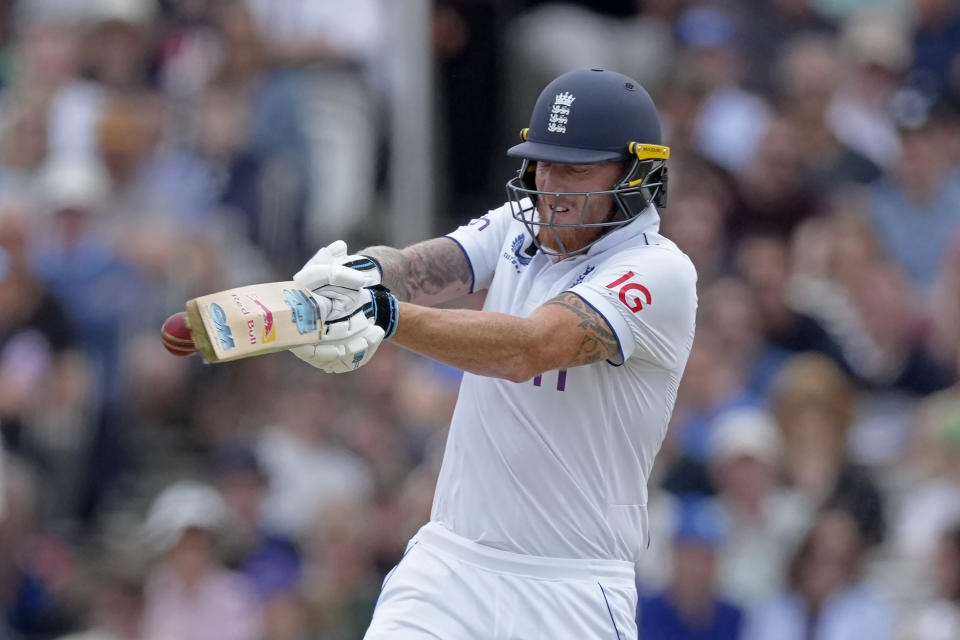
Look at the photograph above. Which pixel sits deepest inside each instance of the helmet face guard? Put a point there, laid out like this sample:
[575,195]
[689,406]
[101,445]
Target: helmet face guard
[590,117]
[643,183]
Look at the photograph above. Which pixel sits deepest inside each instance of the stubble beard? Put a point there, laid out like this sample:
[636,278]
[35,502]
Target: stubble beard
[572,238]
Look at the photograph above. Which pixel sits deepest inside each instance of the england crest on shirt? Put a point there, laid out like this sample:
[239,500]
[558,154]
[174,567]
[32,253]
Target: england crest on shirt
[517,256]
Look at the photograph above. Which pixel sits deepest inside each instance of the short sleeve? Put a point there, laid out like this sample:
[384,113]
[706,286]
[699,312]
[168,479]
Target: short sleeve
[482,240]
[649,299]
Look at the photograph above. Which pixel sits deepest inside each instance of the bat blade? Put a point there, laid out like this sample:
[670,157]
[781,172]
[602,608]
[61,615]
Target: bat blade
[253,320]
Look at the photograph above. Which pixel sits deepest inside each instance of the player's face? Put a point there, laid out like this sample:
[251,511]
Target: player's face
[574,209]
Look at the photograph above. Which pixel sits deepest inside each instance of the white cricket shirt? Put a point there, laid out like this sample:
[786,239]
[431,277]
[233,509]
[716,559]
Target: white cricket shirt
[557,466]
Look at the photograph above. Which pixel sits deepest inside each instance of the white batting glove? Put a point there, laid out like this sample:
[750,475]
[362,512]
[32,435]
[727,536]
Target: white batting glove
[341,356]
[342,292]
[337,289]
[357,313]
[335,253]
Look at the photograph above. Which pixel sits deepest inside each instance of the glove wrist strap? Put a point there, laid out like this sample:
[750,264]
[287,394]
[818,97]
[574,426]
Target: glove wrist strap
[384,309]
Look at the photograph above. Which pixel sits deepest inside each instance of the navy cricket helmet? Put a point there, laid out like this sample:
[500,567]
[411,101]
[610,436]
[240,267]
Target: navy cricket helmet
[592,116]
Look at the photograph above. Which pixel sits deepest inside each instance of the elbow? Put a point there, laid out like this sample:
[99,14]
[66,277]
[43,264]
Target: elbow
[518,374]
[525,366]
[537,354]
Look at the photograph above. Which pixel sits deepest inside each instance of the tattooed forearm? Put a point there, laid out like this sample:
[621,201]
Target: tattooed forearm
[598,342]
[426,273]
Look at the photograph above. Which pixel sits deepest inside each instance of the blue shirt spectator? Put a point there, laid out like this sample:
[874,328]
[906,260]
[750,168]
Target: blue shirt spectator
[659,619]
[689,608]
[915,210]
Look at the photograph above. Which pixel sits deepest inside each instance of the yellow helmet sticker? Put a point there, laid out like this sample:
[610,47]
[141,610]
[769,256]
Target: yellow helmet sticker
[648,151]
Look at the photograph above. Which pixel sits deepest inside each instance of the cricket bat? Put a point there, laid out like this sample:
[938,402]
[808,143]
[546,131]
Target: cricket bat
[252,320]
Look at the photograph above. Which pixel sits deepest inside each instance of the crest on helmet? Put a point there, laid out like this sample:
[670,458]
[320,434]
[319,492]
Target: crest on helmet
[560,112]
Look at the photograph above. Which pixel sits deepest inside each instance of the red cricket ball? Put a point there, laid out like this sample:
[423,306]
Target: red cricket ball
[176,335]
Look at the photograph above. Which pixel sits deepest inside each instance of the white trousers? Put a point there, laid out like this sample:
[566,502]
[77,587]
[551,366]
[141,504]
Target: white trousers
[451,588]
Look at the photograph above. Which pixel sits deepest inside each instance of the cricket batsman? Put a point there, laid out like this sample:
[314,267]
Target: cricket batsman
[571,373]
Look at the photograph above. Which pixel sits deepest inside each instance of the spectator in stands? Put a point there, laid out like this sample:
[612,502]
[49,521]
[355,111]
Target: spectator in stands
[764,263]
[690,607]
[929,501]
[771,27]
[767,520]
[842,278]
[876,51]
[47,409]
[939,617]
[341,586]
[33,594]
[307,465]
[115,606]
[936,47]
[814,404]
[772,192]
[711,385]
[826,598]
[23,148]
[117,42]
[696,225]
[729,311]
[808,77]
[915,210]
[731,119]
[271,562]
[331,50]
[189,594]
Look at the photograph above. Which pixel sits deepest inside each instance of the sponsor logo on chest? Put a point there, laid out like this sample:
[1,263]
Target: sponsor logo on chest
[580,278]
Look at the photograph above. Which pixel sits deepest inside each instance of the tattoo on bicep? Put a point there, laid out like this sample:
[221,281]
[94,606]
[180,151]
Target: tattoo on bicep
[598,341]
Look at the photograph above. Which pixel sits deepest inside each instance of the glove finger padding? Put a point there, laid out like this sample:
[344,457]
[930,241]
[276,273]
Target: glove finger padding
[342,356]
[319,355]
[359,349]
[329,254]
[318,276]
[335,254]
[346,327]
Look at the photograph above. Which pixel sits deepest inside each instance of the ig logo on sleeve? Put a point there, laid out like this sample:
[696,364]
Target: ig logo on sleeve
[631,292]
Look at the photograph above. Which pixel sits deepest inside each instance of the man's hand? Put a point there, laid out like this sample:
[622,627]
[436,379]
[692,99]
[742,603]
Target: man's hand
[349,305]
[357,313]
[340,356]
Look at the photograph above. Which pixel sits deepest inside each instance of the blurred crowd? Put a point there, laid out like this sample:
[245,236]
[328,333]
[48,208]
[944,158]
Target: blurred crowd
[155,150]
